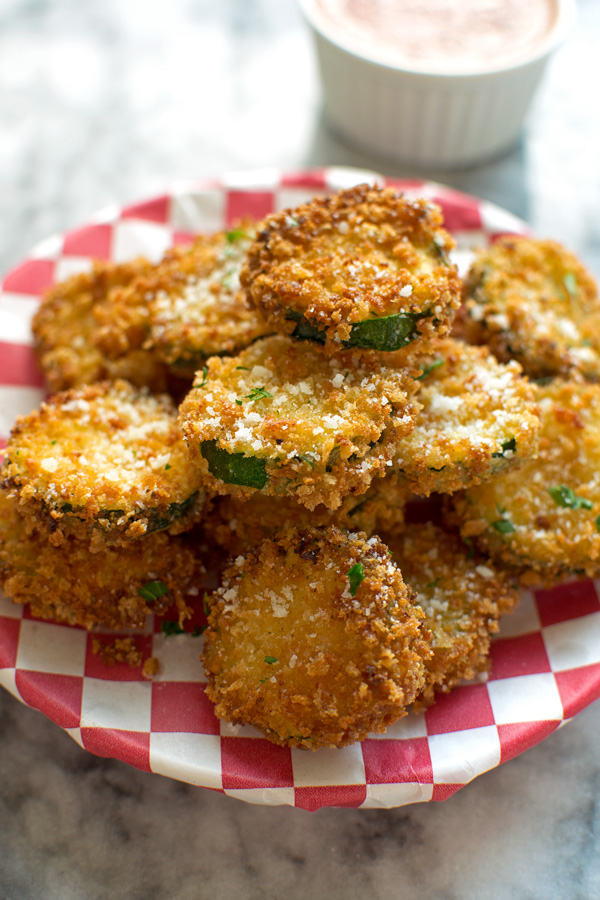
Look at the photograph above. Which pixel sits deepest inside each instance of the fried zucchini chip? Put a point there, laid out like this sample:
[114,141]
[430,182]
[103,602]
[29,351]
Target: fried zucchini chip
[479,418]
[533,301]
[543,520]
[237,525]
[364,268]
[285,419]
[462,598]
[87,329]
[313,639]
[114,588]
[195,304]
[105,461]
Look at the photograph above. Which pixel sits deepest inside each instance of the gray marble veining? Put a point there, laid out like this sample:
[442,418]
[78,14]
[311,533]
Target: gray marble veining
[75,826]
[103,102]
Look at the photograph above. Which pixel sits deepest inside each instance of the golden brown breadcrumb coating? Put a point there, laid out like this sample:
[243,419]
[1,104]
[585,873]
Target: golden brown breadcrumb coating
[543,520]
[107,459]
[112,588]
[119,650]
[86,329]
[365,267]
[314,640]
[237,525]
[284,418]
[478,418]
[195,304]
[533,301]
[462,598]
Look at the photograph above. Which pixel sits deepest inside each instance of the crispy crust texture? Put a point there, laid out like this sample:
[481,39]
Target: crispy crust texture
[196,307]
[479,418]
[462,599]
[533,301]
[239,525]
[94,590]
[361,254]
[107,460]
[89,329]
[543,520]
[293,651]
[322,427]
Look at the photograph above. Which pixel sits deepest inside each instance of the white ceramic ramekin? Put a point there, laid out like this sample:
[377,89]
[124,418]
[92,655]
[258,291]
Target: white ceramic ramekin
[421,118]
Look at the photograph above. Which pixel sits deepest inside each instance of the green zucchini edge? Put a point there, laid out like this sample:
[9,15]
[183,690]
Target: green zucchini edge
[387,333]
[234,468]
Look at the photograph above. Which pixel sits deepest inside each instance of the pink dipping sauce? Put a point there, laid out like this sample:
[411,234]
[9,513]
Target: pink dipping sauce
[442,36]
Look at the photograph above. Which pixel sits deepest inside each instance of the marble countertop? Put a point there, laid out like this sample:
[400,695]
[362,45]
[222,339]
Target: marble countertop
[110,102]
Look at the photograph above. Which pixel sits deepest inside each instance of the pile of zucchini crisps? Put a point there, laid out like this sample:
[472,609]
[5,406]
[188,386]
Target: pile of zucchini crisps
[277,393]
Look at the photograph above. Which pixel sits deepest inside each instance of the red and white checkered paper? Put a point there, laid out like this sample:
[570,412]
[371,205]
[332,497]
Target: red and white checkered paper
[545,663]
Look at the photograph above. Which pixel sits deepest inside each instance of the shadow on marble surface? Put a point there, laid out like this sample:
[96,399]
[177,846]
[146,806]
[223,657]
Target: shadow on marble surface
[77,827]
[506,188]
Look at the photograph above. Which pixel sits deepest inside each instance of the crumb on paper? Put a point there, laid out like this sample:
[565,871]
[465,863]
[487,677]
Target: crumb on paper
[151,667]
[121,650]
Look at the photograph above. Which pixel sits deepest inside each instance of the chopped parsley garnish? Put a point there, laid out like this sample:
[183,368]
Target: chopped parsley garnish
[510,444]
[306,459]
[570,283]
[205,605]
[567,498]
[262,680]
[204,377]
[235,235]
[438,243]
[469,543]
[245,368]
[228,280]
[168,466]
[503,526]
[598,523]
[255,394]
[433,584]
[271,659]
[169,627]
[153,590]
[430,368]
[356,576]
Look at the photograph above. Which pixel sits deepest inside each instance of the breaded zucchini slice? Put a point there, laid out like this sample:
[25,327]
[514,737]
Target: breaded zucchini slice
[533,301]
[363,268]
[195,304]
[285,419]
[462,598]
[116,587]
[86,330]
[478,418]
[543,520]
[237,525]
[108,460]
[313,638]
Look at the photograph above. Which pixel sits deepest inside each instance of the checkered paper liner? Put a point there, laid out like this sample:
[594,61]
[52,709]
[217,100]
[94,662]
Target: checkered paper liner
[545,663]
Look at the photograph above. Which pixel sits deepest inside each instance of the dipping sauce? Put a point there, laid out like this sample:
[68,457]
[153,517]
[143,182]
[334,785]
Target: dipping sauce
[442,36]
